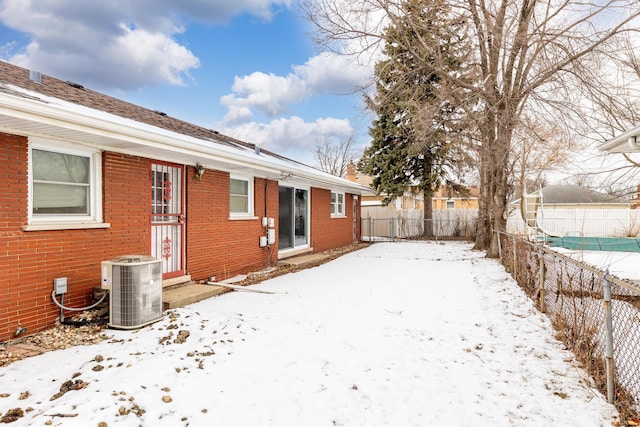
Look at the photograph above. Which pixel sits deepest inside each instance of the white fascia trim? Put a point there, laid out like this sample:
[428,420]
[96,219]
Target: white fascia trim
[55,112]
[334,183]
[619,144]
[58,113]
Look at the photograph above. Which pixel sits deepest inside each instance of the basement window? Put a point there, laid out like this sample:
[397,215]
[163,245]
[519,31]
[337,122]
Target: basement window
[65,186]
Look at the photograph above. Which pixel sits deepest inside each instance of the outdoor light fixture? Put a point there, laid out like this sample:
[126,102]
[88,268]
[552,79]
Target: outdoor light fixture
[199,171]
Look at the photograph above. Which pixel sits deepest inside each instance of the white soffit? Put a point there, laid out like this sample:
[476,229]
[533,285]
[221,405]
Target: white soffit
[33,114]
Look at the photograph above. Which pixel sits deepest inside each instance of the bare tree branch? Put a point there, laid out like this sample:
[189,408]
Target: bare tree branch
[333,157]
[552,60]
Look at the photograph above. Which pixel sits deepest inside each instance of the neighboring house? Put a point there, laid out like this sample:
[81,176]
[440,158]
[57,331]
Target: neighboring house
[563,210]
[445,198]
[87,177]
[400,218]
[372,204]
[448,198]
[454,213]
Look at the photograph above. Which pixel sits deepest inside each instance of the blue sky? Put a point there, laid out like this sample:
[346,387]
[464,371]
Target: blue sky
[247,68]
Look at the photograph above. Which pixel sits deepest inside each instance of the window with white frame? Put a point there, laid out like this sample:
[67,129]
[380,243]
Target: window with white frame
[241,196]
[337,204]
[451,204]
[65,183]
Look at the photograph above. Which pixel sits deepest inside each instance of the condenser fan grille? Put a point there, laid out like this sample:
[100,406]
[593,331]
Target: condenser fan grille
[136,293]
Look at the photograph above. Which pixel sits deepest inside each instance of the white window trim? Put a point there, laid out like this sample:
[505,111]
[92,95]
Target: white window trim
[250,195]
[61,222]
[343,214]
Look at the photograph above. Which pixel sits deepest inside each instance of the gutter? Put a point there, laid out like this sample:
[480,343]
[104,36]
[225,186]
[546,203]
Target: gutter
[41,109]
[627,142]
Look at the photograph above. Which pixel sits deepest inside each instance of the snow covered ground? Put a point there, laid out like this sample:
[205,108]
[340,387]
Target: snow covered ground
[621,264]
[397,334]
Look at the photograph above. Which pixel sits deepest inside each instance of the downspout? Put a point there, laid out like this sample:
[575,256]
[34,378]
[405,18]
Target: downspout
[269,247]
[266,184]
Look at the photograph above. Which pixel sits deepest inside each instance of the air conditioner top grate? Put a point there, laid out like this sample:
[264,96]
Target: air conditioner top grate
[133,259]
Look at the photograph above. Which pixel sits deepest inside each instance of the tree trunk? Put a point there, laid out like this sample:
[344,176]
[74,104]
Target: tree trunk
[494,184]
[428,216]
[483,231]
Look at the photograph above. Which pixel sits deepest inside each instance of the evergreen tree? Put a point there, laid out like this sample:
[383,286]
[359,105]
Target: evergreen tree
[410,146]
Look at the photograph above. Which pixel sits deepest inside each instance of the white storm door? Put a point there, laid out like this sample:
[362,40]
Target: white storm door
[167,217]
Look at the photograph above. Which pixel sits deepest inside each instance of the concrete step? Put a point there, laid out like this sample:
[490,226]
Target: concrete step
[302,260]
[188,294]
[176,281]
[180,294]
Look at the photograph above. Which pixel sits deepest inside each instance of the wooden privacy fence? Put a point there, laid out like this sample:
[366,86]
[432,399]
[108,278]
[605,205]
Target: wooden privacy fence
[597,315]
[406,224]
[389,229]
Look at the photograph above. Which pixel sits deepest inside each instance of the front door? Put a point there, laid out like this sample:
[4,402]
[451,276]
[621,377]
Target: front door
[167,217]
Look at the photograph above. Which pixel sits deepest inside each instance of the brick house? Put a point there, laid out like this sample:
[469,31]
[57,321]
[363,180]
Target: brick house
[87,177]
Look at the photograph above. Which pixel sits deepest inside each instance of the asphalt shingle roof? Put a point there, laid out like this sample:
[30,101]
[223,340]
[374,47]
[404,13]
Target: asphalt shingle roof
[78,94]
[576,194]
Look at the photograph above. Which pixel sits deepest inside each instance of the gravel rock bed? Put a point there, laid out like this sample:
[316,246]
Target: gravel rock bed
[57,338]
[64,336]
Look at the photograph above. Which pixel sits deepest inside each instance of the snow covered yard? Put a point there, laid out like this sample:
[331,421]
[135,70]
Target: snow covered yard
[397,334]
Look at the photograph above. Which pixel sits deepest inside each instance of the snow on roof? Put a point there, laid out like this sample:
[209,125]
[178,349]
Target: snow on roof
[69,111]
[575,194]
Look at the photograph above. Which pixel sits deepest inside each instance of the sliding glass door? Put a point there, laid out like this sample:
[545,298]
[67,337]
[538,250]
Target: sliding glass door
[293,218]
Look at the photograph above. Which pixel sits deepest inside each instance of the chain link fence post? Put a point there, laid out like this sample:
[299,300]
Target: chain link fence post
[609,336]
[580,305]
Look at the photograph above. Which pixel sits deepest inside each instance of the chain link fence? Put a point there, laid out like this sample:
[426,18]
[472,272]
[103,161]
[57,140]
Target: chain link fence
[389,229]
[597,315]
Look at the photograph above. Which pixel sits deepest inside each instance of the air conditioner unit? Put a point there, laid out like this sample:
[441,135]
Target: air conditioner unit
[135,285]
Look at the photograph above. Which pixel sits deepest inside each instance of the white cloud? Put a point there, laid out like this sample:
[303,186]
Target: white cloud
[326,73]
[142,53]
[237,115]
[291,136]
[332,73]
[133,59]
[266,92]
[118,43]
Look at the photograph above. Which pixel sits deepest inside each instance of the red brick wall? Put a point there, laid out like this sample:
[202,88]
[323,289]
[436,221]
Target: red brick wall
[326,232]
[29,261]
[216,245]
